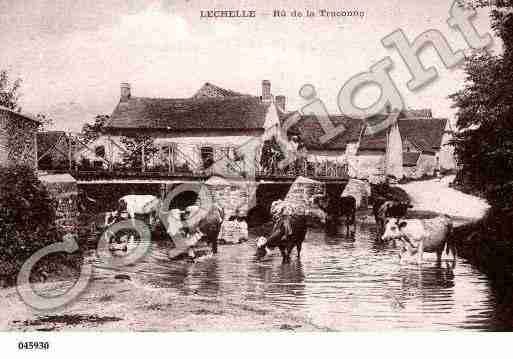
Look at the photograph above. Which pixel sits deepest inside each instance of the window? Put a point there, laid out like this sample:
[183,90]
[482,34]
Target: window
[99,151]
[207,156]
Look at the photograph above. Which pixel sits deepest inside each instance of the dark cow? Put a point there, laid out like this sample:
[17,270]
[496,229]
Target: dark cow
[194,221]
[335,207]
[288,232]
[348,208]
[383,209]
[210,225]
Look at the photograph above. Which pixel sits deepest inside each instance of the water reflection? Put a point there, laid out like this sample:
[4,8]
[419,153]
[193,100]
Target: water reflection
[340,283]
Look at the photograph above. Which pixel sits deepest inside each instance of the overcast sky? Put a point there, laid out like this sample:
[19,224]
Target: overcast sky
[72,55]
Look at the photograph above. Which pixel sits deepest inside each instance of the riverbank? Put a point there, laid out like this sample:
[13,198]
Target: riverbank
[483,235]
[127,303]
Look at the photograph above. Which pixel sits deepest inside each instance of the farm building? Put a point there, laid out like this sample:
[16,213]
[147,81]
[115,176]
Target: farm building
[18,142]
[342,149]
[427,140]
[416,145]
[216,129]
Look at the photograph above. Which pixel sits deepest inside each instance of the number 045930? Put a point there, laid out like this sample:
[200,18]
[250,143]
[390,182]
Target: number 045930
[33,345]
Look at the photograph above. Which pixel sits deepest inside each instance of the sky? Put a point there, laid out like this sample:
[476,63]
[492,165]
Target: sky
[72,55]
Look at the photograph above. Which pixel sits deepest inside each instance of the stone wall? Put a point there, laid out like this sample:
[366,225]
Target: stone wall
[234,197]
[65,191]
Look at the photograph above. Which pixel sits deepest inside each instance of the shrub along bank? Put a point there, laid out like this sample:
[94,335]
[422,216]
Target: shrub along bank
[27,224]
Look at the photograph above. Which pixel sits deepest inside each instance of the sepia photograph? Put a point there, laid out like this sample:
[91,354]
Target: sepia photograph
[255,166]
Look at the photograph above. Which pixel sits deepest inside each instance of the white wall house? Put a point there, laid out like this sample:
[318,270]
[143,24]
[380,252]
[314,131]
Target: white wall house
[416,145]
[430,138]
[380,154]
[214,127]
[340,150]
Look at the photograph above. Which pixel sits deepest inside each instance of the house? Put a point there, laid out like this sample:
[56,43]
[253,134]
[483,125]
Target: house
[216,129]
[416,145]
[18,142]
[426,145]
[98,154]
[341,149]
[380,154]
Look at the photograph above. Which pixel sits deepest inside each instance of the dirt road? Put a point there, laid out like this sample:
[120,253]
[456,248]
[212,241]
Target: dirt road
[436,196]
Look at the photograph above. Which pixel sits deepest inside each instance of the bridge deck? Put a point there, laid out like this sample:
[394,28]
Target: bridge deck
[166,177]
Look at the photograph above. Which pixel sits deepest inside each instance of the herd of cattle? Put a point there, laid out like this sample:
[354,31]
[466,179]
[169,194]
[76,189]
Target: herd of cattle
[290,224]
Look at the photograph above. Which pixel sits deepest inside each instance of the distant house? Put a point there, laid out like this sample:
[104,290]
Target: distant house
[214,126]
[429,138]
[341,149]
[380,154]
[416,145]
[18,140]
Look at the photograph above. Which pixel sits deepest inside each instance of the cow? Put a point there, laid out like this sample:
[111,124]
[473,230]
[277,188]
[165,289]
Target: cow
[196,224]
[139,204]
[417,236]
[288,232]
[289,229]
[348,209]
[335,207]
[383,209]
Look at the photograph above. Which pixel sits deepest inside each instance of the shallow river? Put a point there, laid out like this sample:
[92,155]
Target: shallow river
[340,283]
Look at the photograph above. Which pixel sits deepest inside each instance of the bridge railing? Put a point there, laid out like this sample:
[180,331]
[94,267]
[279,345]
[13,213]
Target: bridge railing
[73,154]
[305,168]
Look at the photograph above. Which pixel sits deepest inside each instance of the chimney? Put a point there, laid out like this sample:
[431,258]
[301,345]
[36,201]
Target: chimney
[281,101]
[266,91]
[125,92]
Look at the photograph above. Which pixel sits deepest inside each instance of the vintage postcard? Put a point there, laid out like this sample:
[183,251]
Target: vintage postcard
[268,166]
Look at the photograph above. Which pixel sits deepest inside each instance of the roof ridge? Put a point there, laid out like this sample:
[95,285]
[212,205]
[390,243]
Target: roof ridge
[224,92]
[22,114]
[191,98]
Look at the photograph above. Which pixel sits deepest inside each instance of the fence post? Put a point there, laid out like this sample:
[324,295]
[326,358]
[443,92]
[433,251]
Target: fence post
[110,154]
[68,137]
[169,159]
[143,162]
[35,150]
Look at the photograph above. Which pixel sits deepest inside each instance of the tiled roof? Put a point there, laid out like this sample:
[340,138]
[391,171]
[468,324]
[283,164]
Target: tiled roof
[207,113]
[310,131]
[20,114]
[374,142]
[410,158]
[211,90]
[425,133]
[418,113]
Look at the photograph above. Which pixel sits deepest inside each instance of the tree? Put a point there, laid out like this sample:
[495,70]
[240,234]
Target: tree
[46,121]
[9,91]
[484,145]
[132,158]
[91,132]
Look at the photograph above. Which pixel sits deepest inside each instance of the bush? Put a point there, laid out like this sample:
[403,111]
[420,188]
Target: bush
[27,223]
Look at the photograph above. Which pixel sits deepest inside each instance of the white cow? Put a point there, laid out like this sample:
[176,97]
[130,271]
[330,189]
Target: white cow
[141,204]
[417,236]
